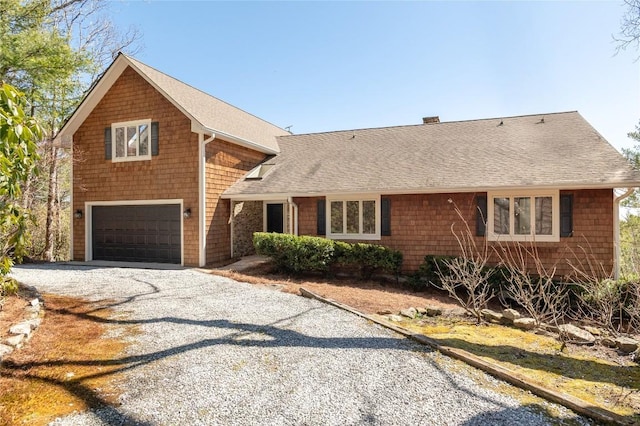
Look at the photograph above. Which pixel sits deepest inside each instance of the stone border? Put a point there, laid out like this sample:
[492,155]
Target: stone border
[23,331]
[575,404]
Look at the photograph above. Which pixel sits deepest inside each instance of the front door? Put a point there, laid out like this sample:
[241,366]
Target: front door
[275,218]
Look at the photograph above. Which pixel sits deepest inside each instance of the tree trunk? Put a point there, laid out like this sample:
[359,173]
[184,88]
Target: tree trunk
[50,235]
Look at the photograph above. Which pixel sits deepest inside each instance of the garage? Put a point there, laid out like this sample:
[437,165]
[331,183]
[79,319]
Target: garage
[137,233]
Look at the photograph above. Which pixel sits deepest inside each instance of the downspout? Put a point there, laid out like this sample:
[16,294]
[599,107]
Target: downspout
[616,231]
[232,214]
[202,197]
[293,216]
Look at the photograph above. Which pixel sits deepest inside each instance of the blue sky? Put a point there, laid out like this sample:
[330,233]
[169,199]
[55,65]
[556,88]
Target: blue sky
[321,66]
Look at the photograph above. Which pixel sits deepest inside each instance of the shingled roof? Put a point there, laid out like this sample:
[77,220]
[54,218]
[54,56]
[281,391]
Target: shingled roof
[211,112]
[206,112]
[555,150]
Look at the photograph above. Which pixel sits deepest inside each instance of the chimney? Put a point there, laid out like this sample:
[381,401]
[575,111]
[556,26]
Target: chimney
[430,120]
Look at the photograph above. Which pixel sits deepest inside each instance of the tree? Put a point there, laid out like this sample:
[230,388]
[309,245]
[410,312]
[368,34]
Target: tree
[630,26]
[18,136]
[53,50]
[633,155]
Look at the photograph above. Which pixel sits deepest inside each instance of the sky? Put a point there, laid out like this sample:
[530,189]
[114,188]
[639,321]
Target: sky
[323,66]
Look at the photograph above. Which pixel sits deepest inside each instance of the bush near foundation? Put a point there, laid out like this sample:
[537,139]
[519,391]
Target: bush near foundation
[297,254]
[427,274]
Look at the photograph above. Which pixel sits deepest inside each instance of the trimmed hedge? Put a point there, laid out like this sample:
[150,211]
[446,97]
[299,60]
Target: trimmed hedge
[297,254]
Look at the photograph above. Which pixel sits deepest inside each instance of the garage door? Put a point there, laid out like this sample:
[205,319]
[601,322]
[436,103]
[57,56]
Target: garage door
[148,233]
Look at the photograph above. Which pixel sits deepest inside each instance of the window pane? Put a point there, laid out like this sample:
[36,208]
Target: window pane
[353,217]
[522,215]
[368,217]
[501,215]
[119,141]
[336,217]
[544,216]
[132,141]
[144,139]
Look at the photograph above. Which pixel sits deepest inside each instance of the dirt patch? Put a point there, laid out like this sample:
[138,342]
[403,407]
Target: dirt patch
[66,366]
[365,295]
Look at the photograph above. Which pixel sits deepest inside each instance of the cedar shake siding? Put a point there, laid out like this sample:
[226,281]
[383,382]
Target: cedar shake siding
[421,224]
[226,163]
[172,174]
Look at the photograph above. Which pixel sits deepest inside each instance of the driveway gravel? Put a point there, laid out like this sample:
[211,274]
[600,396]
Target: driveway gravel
[215,351]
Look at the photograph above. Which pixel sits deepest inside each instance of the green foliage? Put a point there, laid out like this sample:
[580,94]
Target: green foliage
[8,286]
[297,254]
[633,155]
[630,247]
[369,258]
[18,136]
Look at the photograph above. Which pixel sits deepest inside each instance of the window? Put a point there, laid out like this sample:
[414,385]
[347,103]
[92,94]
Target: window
[131,141]
[524,216]
[354,218]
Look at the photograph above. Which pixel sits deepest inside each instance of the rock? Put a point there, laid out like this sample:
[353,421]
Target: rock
[34,323]
[490,315]
[385,312]
[15,341]
[409,312]
[433,312]
[608,342]
[421,311]
[22,328]
[524,323]
[626,345]
[511,314]
[576,334]
[395,318]
[593,330]
[35,303]
[5,350]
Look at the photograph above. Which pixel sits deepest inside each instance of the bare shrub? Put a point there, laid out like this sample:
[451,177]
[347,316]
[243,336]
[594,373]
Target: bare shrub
[466,278]
[538,293]
[632,306]
[601,299]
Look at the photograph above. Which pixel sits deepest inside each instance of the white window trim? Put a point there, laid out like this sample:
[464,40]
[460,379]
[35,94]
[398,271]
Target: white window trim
[113,141]
[284,215]
[352,197]
[555,224]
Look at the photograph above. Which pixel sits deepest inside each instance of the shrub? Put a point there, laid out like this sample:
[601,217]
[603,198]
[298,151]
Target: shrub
[369,258]
[296,254]
[610,303]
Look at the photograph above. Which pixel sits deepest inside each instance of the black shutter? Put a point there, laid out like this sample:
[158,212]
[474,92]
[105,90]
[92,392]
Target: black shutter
[566,215]
[107,143]
[322,218]
[481,215]
[154,138]
[385,216]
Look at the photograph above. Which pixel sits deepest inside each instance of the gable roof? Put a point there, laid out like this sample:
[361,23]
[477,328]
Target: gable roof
[557,150]
[207,113]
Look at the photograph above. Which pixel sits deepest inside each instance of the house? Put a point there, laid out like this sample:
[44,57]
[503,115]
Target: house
[166,173]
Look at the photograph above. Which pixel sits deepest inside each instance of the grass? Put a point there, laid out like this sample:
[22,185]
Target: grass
[612,383]
[64,368]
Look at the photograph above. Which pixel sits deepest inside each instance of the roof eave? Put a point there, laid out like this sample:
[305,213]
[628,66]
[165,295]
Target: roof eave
[238,141]
[440,190]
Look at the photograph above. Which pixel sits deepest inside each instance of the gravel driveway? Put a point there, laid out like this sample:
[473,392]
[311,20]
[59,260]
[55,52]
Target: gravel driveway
[215,351]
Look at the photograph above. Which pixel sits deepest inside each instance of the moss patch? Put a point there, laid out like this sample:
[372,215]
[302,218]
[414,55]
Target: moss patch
[575,371]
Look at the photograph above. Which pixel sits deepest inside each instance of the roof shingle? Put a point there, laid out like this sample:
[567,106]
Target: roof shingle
[544,150]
